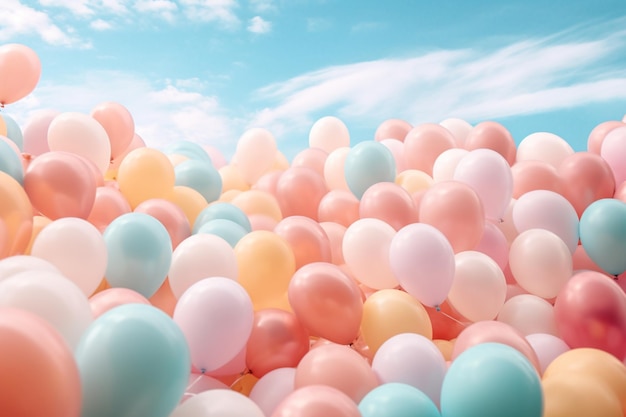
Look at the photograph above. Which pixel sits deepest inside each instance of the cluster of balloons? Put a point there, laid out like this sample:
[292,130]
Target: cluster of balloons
[435,270]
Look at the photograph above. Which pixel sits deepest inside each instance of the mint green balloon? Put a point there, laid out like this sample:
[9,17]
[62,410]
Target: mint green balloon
[395,399]
[133,362]
[366,164]
[13,131]
[226,229]
[222,210]
[201,176]
[10,163]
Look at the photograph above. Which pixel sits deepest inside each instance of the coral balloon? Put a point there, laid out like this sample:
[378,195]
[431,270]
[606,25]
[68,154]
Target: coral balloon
[118,124]
[390,203]
[299,192]
[424,143]
[597,135]
[494,136]
[339,206]
[392,129]
[317,400]
[307,239]
[20,69]
[312,158]
[110,298]
[108,205]
[533,175]
[170,215]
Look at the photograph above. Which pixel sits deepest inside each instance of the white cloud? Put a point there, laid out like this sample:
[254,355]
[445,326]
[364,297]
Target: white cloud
[219,11]
[163,8]
[77,7]
[262,6]
[259,25]
[115,6]
[100,25]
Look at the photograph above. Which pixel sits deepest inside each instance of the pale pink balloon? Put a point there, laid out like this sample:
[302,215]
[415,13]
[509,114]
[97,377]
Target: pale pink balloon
[494,136]
[534,175]
[547,347]
[20,69]
[335,233]
[334,169]
[217,157]
[299,191]
[544,146]
[114,297]
[36,132]
[272,388]
[620,192]
[328,134]
[170,215]
[109,204]
[446,162]
[255,153]
[313,158]
[390,203]
[307,239]
[199,383]
[513,290]
[581,261]
[339,206]
[506,224]
[613,151]
[529,314]
[424,143]
[136,143]
[316,401]
[268,182]
[262,222]
[235,366]
[397,150]
[597,135]
[493,243]
[392,129]
[459,128]
[118,123]
[339,367]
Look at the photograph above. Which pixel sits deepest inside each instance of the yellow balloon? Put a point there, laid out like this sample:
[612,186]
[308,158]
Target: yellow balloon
[16,217]
[414,180]
[145,173]
[232,178]
[389,312]
[576,395]
[39,222]
[258,202]
[189,200]
[266,264]
[229,195]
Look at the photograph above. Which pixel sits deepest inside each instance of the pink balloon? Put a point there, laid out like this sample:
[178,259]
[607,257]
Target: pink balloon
[424,143]
[459,128]
[217,158]
[339,206]
[313,158]
[272,388]
[493,243]
[494,136]
[529,314]
[328,134]
[109,204]
[268,182]
[170,215]
[534,175]
[316,401]
[262,222]
[20,69]
[597,135]
[335,233]
[113,297]
[136,143]
[445,164]
[390,203]
[118,123]
[199,383]
[547,347]
[299,192]
[36,132]
[307,239]
[392,129]
[397,150]
[590,312]
[544,146]
[235,366]
[422,260]
[339,367]
[581,261]
[613,151]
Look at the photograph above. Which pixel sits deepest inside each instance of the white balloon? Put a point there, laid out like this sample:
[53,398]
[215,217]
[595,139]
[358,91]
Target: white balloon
[21,263]
[218,403]
[272,388]
[328,134]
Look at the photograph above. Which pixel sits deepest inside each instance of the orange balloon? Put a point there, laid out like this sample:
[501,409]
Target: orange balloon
[445,347]
[244,384]
[258,202]
[414,180]
[307,239]
[577,395]
[189,201]
[39,373]
[232,178]
[145,173]
[16,218]
[164,299]
[39,222]
[447,323]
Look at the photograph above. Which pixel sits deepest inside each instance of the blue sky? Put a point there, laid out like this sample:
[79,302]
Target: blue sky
[206,70]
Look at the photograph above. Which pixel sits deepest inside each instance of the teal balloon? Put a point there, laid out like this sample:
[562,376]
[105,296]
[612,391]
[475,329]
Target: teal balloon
[188,149]
[201,176]
[222,210]
[13,131]
[133,362]
[226,229]
[10,163]
[395,399]
[491,380]
[366,164]
[139,253]
[602,230]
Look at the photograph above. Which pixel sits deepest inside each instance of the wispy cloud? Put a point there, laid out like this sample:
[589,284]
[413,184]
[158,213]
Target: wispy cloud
[218,11]
[101,25]
[259,25]
[166,9]
[263,6]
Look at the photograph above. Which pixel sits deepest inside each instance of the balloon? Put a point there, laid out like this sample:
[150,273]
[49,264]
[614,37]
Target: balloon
[454,209]
[30,346]
[135,143]
[216,316]
[312,158]
[278,340]
[335,233]
[60,184]
[108,205]
[339,206]
[110,298]
[188,200]
[490,176]
[577,395]
[198,383]
[397,400]
[397,150]
[52,297]
[320,292]
[494,244]
[201,256]
[272,388]
[232,178]
[200,176]
[411,359]
[392,129]
[491,380]
[216,156]
[76,248]
[188,149]
[145,173]
[317,400]
[139,253]
[446,162]
[334,172]
[16,220]
[220,210]
[602,231]
[170,215]
[590,311]
[459,128]
[414,181]
[255,153]
[228,230]
[547,347]
[366,164]
[387,313]
[118,124]
[529,314]
[540,262]
[533,175]
[266,264]
[10,162]
[299,191]
[20,69]
[390,203]
[366,246]
[544,146]
[422,260]
[268,182]
[494,136]
[479,288]
[424,143]
[328,134]
[218,402]
[597,135]
[613,151]
[258,202]
[339,367]
[133,361]
[307,239]
[542,209]
[14,265]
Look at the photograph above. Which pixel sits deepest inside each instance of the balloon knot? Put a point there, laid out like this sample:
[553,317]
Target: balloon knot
[615,277]
[437,307]
[203,371]
[501,220]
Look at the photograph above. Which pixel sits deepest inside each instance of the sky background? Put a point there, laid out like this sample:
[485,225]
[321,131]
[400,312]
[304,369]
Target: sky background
[207,70]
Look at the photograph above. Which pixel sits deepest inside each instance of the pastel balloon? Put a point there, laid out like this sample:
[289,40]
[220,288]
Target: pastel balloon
[222,210]
[133,361]
[16,264]
[200,176]
[198,383]
[76,248]
[339,206]
[494,136]
[577,395]
[317,400]
[455,209]
[459,128]
[479,288]
[16,218]
[597,135]
[547,347]
[411,359]
[602,231]
[30,346]
[299,191]
[387,313]
[110,298]
[108,205]
[366,245]
[188,149]
[216,317]
[390,203]
[543,209]
[272,388]
[320,292]
[540,262]
[145,173]
[118,124]
[392,129]
[422,260]
[135,143]
[328,134]
[529,314]
[228,230]
[335,233]
[171,217]
[397,150]
[278,340]
[446,162]
[20,69]
[253,202]
[339,367]
[544,146]
[590,311]
[218,402]
[397,400]
[10,162]
[307,239]
[489,392]
[255,153]
[424,143]
[613,151]
[190,201]
[312,158]
[198,257]
[493,243]
[139,253]
[533,175]
[334,172]
[366,164]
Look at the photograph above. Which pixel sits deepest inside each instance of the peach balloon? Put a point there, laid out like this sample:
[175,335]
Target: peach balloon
[229,196]
[315,401]
[414,180]
[544,146]
[392,129]
[16,218]
[262,222]
[170,215]
[390,203]
[258,202]
[597,135]
[232,178]
[118,124]
[281,163]
[255,153]
[135,143]
[328,134]
[339,206]
[108,205]
[20,69]
[145,173]
[307,239]
[335,233]
[164,299]
[424,143]
[534,175]
[299,192]
[190,201]
[446,162]
[494,136]
[334,169]
[268,182]
[577,395]
[312,158]
[39,222]
[36,132]
[110,298]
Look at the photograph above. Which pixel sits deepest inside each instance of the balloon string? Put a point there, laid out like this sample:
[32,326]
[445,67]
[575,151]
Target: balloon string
[191,394]
[450,317]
